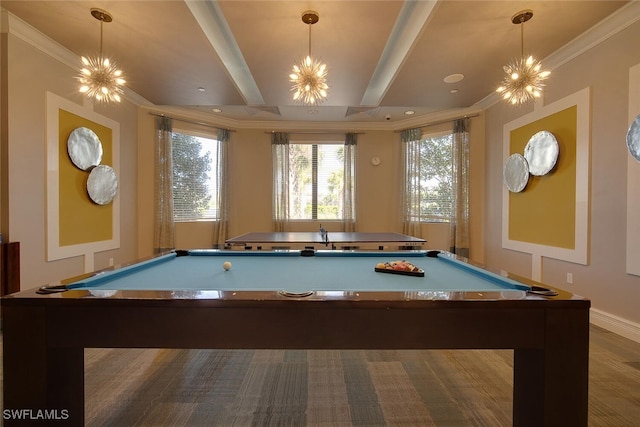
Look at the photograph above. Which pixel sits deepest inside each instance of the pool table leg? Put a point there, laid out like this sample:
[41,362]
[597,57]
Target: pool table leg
[40,382]
[550,385]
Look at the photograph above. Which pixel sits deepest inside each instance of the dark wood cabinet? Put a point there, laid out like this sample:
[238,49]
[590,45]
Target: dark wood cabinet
[9,268]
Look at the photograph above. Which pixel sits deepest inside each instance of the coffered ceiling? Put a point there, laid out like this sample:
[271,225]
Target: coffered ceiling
[383,57]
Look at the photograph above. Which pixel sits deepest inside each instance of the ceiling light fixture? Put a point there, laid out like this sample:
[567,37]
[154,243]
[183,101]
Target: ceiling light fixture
[99,77]
[524,80]
[309,76]
[453,78]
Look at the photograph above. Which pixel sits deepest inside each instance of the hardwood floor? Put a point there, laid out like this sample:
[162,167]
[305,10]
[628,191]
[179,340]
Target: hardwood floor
[166,387]
[614,380]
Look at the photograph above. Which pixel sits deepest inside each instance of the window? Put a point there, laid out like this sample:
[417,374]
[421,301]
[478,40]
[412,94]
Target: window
[436,177]
[196,179]
[316,181]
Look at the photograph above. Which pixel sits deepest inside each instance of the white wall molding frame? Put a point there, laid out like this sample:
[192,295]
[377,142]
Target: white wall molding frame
[633,177]
[580,253]
[54,250]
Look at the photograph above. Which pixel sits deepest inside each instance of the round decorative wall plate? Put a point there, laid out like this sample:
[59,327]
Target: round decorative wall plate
[84,148]
[516,173]
[541,153]
[102,184]
[633,138]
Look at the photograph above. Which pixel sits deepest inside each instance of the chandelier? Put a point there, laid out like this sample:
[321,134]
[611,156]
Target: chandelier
[309,76]
[524,79]
[99,77]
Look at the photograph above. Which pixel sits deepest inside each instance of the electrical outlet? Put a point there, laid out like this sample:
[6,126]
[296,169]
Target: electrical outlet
[570,278]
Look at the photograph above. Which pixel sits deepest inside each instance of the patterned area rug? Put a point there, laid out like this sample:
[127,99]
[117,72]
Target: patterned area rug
[125,387]
[298,388]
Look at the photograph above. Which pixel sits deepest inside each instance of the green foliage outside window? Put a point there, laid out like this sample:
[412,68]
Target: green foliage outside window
[192,186]
[436,177]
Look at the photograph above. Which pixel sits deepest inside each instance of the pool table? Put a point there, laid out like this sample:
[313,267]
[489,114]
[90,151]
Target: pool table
[298,300]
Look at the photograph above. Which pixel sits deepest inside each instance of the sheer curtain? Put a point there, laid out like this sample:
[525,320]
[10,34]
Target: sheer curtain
[349,193]
[163,229]
[280,153]
[459,222]
[220,233]
[412,190]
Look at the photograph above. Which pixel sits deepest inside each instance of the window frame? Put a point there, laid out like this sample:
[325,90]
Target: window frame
[314,143]
[197,133]
[429,217]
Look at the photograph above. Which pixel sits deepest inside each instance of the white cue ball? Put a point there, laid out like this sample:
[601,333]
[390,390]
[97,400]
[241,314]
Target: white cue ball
[226,265]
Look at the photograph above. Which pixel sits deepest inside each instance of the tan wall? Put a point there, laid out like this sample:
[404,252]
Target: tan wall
[144,182]
[377,189]
[25,210]
[605,69]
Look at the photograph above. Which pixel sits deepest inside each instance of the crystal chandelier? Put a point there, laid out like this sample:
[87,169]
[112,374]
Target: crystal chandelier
[524,79]
[99,77]
[309,76]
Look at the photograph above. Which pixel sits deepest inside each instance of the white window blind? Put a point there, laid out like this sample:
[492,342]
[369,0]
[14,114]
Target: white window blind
[195,177]
[316,181]
[436,176]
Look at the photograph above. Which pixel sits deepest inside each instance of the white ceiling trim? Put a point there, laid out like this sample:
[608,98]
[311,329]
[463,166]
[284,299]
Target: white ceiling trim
[602,31]
[35,38]
[28,34]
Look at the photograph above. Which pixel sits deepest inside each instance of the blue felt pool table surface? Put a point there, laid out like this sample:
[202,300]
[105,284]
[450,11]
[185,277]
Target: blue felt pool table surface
[290,272]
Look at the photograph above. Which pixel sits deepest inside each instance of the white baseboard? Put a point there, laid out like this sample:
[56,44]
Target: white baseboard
[618,325]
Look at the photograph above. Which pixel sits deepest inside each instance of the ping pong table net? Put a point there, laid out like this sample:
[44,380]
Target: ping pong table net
[324,235]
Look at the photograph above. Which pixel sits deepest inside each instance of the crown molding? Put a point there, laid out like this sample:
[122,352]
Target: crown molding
[27,33]
[602,31]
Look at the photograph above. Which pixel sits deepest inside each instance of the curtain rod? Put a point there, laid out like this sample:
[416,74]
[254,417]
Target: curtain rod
[315,132]
[193,122]
[440,122]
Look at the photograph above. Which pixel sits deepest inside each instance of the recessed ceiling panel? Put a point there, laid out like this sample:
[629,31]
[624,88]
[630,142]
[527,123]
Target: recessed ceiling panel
[169,60]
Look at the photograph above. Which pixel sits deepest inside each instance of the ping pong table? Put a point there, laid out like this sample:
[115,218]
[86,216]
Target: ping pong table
[323,240]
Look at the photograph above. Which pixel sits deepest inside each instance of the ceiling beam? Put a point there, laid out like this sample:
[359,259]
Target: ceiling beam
[210,18]
[409,24]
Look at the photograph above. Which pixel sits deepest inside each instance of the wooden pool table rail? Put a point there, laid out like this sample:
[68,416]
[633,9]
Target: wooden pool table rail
[44,340]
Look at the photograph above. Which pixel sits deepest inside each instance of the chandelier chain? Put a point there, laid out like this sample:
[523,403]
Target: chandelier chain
[309,39]
[522,38]
[101,24]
